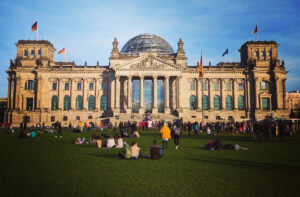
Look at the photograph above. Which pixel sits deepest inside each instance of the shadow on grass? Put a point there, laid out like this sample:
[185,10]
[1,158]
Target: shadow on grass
[110,156]
[234,162]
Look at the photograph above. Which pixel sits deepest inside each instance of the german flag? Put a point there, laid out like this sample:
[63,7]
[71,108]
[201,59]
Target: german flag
[255,30]
[201,68]
[34,26]
[62,51]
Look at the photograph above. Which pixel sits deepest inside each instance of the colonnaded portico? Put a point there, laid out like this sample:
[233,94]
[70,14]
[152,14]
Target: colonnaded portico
[146,76]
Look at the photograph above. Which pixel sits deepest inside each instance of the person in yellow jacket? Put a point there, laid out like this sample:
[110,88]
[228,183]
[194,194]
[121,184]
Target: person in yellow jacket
[165,135]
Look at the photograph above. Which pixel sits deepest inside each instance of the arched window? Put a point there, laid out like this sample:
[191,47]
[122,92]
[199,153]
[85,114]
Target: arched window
[103,85]
[29,85]
[216,103]
[192,85]
[256,53]
[91,103]
[67,103]
[264,85]
[241,104]
[25,53]
[32,52]
[54,103]
[204,102]
[103,105]
[79,102]
[228,103]
[193,103]
[39,52]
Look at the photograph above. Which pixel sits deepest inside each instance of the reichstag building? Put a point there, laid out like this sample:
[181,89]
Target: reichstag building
[146,77]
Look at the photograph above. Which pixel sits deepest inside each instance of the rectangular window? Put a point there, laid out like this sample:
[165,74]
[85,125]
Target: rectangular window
[205,117]
[29,104]
[66,86]
[39,52]
[91,86]
[230,118]
[65,118]
[228,86]
[77,117]
[52,118]
[54,86]
[204,86]
[90,117]
[78,86]
[265,102]
[218,118]
[216,86]
[103,85]
[192,86]
[241,86]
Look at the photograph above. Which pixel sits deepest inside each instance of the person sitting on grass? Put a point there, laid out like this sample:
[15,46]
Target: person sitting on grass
[135,150]
[120,143]
[136,134]
[111,142]
[125,153]
[156,152]
[31,134]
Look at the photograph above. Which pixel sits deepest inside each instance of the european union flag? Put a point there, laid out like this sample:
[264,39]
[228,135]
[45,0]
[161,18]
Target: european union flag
[226,52]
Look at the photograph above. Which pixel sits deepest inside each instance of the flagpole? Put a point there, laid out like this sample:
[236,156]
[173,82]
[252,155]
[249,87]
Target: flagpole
[37,30]
[65,55]
[257,28]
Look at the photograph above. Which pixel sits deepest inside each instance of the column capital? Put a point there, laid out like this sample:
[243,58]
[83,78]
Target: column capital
[117,77]
[141,77]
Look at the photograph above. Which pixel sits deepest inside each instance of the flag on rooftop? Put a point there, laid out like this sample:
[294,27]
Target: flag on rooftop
[255,30]
[201,67]
[62,51]
[34,26]
[226,52]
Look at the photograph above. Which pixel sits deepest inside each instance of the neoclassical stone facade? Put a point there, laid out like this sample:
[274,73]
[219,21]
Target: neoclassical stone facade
[145,76]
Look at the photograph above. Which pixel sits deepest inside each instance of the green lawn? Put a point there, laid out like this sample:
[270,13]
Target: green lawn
[48,166]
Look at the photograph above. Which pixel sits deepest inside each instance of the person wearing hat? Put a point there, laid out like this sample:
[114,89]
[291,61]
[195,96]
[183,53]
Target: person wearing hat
[165,135]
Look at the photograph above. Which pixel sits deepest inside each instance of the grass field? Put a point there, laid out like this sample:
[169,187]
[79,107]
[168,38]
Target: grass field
[48,166]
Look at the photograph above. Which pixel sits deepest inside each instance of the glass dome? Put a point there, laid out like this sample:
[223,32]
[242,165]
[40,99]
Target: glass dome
[147,43]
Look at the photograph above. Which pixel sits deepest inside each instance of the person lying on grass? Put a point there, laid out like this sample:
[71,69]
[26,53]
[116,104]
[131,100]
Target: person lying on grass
[218,145]
[80,140]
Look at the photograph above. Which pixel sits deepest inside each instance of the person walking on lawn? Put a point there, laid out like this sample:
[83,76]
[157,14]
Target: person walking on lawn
[177,133]
[165,135]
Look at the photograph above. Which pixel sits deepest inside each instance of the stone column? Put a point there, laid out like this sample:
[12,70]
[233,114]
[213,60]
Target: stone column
[235,94]
[129,95]
[283,94]
[222,93]
[9,93]
[97,96]
[256,93]
[18,87]
[72,93]
[117,108]
[211,98]
[199,94]
[278,88]
[179,94]
[84,93]
[248,95]
[40,92]
[141,109]
[167,95]
[112,93]
[154,107]
[60,96]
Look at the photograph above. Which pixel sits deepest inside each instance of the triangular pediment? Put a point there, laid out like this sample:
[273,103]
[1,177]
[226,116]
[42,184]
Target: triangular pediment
[147,62]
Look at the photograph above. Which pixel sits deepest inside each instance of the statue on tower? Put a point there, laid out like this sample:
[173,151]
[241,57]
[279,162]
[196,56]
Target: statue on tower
[115,51]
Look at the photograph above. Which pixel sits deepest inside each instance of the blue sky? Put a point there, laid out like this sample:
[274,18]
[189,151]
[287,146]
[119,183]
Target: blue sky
[87,28]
